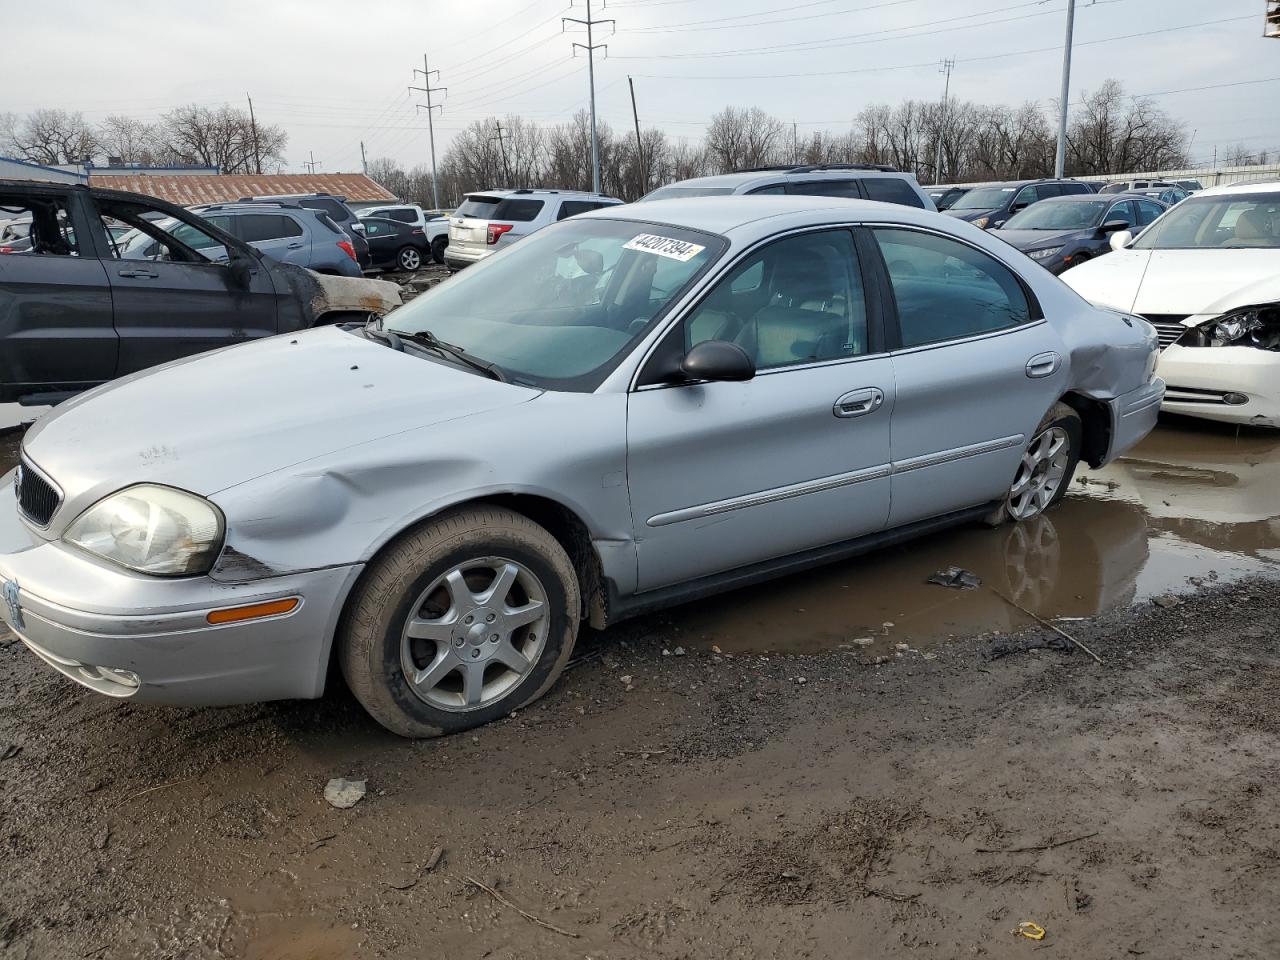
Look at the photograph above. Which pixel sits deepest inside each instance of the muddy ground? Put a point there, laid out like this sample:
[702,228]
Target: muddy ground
[831,766]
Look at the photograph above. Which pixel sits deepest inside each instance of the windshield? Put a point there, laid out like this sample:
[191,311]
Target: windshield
[946,199]
[671,193]
[983,198]
[1061,215]
[561,308]
[1238,220]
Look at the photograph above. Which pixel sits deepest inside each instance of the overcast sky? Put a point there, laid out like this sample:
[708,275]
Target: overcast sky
[334,72]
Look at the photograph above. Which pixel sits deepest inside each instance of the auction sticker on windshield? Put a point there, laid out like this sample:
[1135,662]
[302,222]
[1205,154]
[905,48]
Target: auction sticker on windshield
[665,247]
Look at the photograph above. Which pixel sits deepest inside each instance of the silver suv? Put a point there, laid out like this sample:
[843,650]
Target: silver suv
[853,181]
[485,223]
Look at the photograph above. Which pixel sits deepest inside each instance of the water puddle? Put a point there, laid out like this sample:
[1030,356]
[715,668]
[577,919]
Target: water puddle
[1192,504]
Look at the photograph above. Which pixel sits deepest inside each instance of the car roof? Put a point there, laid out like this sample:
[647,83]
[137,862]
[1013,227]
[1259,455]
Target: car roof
[731,213]
[771,175]
[1258,186]
[541,191]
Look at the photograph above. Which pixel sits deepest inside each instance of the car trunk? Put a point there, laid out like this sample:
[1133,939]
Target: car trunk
[469,226]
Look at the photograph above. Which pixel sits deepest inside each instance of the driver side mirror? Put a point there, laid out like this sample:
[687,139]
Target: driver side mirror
[717,360]
[1111,226]
[1121,239]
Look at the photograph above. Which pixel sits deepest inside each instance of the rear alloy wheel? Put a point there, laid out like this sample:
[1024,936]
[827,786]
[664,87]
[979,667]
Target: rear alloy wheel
[409,259]
[461,622]
[437,248]
[1046,468]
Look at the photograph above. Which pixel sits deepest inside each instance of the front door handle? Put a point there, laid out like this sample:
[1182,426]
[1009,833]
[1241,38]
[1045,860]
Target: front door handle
[858,403]
[1043,365]
[142,274]
[296,245]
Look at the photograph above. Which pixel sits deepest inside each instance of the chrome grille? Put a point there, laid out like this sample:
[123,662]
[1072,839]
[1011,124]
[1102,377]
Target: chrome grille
[1168,326]
[38,498]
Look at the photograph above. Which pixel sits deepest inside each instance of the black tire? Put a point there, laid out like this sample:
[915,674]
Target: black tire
[370,635]
[437,249]
[1062,417]
[409,258]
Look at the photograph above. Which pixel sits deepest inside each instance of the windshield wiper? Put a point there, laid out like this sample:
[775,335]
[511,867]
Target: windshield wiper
[373,331]
[450,351]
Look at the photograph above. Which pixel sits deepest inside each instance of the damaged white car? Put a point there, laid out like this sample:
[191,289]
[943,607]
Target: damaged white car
[1207,276]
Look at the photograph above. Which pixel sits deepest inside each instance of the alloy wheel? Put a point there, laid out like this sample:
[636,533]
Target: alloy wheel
[410,259]
[474,634]
[1040,473]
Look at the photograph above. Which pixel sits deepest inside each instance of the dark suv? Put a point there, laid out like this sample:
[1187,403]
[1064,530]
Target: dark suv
[81,306]
[989,206]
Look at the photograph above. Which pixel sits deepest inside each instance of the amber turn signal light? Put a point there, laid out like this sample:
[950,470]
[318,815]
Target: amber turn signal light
[254,611]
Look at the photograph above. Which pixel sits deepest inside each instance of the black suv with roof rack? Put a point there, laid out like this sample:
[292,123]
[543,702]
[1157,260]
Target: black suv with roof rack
[852,181]
[988,206]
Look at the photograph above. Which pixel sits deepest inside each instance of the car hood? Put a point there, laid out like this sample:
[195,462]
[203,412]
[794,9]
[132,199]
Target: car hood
[967,215]
[1185,282]
[1037,239]
[210,422]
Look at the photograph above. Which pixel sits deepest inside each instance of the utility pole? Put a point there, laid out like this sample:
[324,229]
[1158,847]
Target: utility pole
[640,164]
[946,67]
[312,163]
[795,145]
[1060,162]
[506,171]
[364,161]
[591,46]
[253,123]
[431,108]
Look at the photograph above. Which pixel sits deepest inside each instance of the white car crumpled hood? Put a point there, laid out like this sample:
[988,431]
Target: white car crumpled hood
[1184,282]
[213,421]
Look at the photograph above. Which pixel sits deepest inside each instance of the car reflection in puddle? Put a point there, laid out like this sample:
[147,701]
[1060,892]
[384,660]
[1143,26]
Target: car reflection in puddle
[1191,505]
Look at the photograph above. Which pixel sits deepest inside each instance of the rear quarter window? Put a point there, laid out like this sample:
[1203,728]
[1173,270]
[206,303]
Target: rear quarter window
[520,211]
[891,190]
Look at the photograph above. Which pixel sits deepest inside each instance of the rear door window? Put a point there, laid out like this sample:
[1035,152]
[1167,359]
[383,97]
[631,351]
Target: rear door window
[944,289]
[519,210]
[777,188]
[334,208]
[891,190]
[1147,211]
[828,188]
[571,208]
[259,227]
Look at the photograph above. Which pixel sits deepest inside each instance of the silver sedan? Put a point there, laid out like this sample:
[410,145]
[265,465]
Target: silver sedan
[627,410]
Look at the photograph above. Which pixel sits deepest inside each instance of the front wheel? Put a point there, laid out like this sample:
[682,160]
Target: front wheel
[409,259]
[1044,473]
[459,623]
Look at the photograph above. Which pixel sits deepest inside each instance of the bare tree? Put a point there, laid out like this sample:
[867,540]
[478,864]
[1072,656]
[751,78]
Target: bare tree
[1110,135]
[127,138]
[740,138]
[52,136]
[220,137]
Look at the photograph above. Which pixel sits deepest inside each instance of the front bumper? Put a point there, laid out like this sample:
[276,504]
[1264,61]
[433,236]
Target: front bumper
[1134,415]
[147,639]
[1227,384]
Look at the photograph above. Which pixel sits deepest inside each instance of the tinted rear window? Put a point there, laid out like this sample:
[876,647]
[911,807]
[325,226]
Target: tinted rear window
[403,214]
[571,208]
[521,211]
[333,208]
[891,190]
[480,207]
[324,219]
[827,188]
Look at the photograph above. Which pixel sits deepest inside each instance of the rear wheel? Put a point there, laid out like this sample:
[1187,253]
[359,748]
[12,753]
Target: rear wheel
[437,248]
[409,259]
[1045,471]
[461,622]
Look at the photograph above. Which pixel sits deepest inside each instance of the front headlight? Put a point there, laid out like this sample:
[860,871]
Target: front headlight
[1247,327]
[981,222]
[1044,254]
[151,529]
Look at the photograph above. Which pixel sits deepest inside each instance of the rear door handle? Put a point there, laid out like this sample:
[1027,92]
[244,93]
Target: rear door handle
[1043,365]
[141,274]
[858,403]
[296,245]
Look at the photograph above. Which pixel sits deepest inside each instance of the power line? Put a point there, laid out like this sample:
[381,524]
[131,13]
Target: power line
[698,25]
